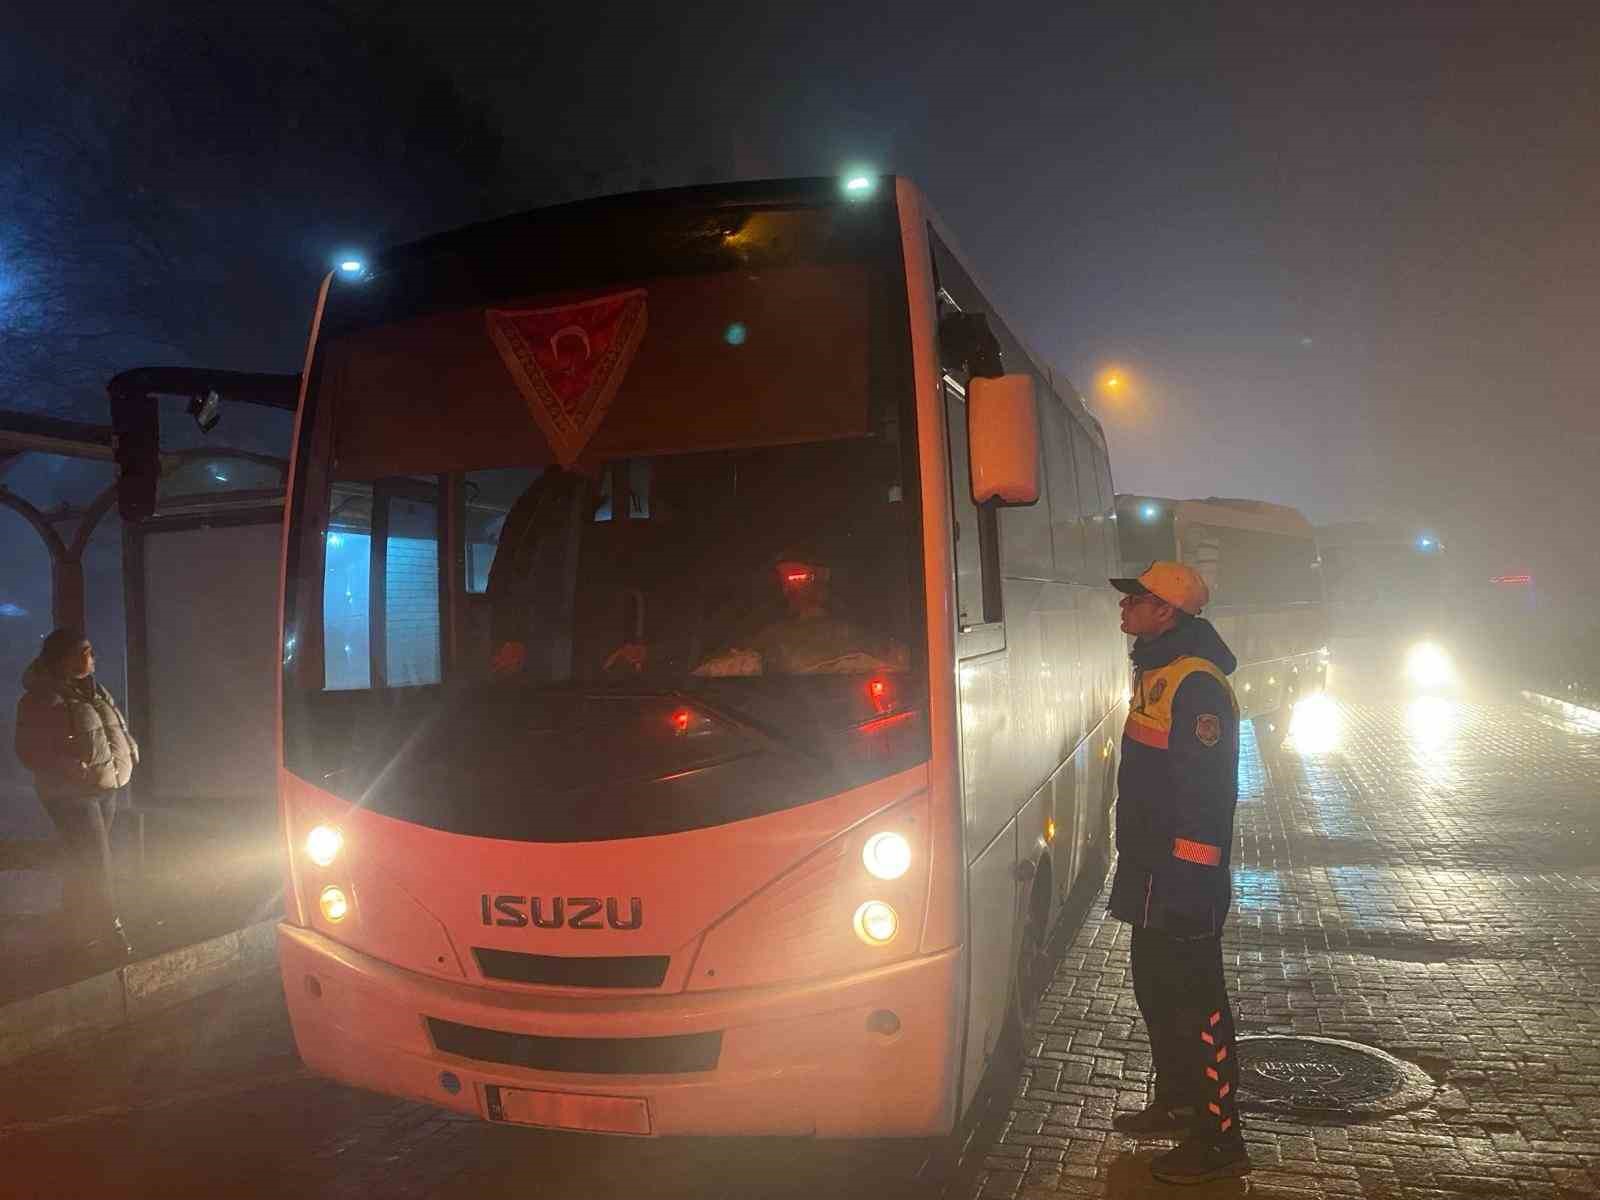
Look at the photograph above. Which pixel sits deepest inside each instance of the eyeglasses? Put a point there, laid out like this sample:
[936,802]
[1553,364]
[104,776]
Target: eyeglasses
[1141,597]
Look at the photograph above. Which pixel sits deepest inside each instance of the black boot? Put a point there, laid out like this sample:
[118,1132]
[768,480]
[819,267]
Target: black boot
[1158,1120]
[1202,1158]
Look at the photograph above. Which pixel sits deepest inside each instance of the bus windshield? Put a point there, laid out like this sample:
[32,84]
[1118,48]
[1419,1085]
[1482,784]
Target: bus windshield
[621,548]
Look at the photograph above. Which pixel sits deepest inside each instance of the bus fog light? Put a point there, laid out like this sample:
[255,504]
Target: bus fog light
[334,903]
[886,855]
[876,923]
[323,845]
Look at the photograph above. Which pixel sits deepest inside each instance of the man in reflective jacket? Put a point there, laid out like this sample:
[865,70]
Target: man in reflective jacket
[1177,789]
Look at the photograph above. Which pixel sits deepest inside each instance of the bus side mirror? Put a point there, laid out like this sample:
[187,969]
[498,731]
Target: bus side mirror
[1003,439]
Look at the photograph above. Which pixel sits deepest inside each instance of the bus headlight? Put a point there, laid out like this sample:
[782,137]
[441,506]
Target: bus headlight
[323,845]
[335,905]
[876,923]
[886,855]
[1428,666]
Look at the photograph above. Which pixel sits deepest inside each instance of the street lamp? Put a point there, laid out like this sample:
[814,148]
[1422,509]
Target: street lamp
[1113,382]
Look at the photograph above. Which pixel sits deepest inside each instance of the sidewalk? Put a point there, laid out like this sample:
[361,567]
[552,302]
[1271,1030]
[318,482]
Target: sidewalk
[199,916]
[1565,710]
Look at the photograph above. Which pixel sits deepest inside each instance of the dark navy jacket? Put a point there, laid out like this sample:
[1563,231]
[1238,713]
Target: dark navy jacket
[1178,785]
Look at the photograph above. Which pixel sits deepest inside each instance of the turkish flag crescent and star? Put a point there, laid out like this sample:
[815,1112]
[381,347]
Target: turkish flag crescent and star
[569,361]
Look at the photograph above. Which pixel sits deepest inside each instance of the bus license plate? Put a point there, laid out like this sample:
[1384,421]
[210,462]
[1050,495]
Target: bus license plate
[572,1110]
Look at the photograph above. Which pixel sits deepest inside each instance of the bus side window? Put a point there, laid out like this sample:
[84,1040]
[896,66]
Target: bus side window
[1066,528]
[1108,510]
[975,529]
[1097,531]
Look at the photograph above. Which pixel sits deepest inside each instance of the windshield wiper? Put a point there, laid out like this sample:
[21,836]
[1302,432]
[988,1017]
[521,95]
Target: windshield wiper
[765,732]
[775,739]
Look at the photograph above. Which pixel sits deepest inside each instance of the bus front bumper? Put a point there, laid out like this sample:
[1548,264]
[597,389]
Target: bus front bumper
[795,1059]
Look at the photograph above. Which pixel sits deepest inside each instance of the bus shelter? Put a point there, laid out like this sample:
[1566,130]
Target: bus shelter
[178,592]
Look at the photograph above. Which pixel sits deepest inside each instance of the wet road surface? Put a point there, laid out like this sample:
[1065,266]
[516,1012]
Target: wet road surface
[1422,877]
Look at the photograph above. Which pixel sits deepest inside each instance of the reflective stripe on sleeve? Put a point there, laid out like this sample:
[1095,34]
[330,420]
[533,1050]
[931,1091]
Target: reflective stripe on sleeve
[1197,852]
[1147,735]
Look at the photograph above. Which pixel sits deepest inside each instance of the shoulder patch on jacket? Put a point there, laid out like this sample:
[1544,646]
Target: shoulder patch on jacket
[1207,729]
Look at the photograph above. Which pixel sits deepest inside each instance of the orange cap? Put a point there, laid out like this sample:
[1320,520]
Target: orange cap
[1178,585]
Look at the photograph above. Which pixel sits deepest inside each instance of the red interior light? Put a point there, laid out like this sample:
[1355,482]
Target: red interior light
[798,577]
[681,720]
[878,690]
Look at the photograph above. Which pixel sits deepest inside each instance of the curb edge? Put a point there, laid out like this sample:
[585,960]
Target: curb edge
[114,998]
[1565,709]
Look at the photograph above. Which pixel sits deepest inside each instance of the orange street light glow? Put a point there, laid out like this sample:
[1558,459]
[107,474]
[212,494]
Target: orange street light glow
[1113,381]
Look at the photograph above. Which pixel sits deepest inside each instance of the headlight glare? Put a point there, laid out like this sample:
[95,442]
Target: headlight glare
[886,855]
[323,845]
[1429,666]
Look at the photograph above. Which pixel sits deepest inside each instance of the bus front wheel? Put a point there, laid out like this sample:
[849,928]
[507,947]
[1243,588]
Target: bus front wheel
[944,1159]
[1033,961]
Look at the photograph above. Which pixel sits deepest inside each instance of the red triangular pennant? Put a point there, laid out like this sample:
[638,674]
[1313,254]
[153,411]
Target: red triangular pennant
[569,361]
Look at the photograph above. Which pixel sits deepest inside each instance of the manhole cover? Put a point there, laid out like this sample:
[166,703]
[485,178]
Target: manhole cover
[1328,1075]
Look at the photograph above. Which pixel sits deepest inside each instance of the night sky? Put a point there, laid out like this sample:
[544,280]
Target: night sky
[1347,257]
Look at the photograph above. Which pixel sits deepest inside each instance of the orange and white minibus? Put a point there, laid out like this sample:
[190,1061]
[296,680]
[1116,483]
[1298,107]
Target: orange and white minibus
[691,721]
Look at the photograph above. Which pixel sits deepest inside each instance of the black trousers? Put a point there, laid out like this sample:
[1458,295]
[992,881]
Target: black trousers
[88,890]
[1183,997]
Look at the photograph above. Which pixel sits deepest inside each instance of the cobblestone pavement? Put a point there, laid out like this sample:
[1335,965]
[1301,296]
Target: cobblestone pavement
[1424,879]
